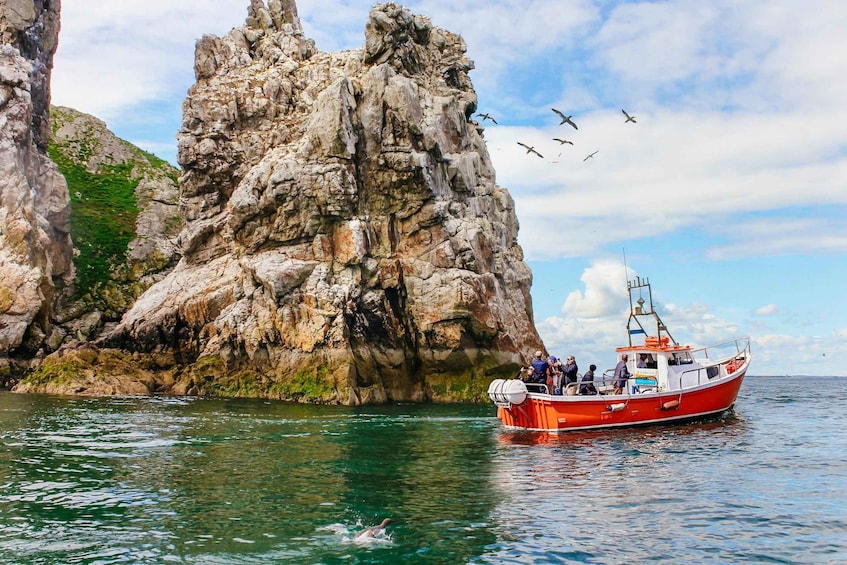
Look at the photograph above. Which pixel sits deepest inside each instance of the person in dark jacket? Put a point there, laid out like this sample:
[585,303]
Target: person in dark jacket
[571,370]
[621,374]
[540,368]
[587,386]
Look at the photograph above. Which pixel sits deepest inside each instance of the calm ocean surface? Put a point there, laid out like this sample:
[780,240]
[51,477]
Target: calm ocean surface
[155,480]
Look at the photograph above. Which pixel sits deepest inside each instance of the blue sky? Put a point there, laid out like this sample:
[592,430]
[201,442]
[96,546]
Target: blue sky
[729,193]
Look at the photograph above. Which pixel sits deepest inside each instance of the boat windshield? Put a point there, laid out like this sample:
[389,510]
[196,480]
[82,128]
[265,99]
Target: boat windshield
[680,358]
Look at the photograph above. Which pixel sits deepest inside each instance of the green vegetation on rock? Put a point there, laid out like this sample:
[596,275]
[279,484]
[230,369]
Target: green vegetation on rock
[103,174]
[103,214]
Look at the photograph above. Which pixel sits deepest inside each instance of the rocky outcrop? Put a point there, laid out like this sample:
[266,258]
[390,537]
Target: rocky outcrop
[35,246]
[345,238]
[124,205]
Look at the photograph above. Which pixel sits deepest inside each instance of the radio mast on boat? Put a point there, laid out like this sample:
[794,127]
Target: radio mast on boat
[640,309]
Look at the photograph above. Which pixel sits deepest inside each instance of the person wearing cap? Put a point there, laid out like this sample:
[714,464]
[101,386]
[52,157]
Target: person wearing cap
[642,361]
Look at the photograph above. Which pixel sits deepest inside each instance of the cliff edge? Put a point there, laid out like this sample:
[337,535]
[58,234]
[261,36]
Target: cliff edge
[345,239]
[35,244]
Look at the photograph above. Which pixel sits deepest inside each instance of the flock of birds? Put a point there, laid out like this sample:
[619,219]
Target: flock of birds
[565,120]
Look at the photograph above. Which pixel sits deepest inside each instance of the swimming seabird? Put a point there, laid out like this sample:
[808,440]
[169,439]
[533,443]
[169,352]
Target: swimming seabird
[562,141]
[486,117]
[590,156]
[565,119]
[628,117]
[530,149]
[373,531]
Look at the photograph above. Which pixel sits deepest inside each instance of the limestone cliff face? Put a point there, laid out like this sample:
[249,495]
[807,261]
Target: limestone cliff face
[35,246]
[345,238]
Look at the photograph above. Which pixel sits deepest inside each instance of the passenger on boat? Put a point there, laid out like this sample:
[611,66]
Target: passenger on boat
[556,373]
[621,374]
[642,361]
[540,368]
[525,374]
[587,386]
[571,370]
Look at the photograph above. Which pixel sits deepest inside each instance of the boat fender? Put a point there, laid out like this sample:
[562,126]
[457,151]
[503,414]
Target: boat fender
[616,407]
[670,405]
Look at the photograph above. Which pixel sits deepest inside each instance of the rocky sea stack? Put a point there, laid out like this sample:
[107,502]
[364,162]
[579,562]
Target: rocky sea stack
[344,240]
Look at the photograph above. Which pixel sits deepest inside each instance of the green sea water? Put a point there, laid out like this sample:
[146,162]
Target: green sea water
[159,480]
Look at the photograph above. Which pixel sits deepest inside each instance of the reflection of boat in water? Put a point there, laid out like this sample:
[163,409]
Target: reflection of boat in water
[678,382]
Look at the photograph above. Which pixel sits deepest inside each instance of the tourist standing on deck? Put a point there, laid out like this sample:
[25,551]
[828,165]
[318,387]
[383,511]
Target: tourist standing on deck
[621,374]
[556,374]
[587,386]
[540,369]
[571,375]
[571,370]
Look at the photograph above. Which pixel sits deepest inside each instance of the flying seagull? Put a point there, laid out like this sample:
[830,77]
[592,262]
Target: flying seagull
[590,156]
[486,117]
[628,117]
[565,119]
[530,149]
[373,531]
[562,141]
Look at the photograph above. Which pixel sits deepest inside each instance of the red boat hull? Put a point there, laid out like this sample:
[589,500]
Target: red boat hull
[543,412]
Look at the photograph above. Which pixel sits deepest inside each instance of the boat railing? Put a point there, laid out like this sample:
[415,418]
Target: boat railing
[730,366]
[539,388]
[725,350]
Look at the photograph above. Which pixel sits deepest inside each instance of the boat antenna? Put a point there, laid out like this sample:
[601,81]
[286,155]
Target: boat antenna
[625,269]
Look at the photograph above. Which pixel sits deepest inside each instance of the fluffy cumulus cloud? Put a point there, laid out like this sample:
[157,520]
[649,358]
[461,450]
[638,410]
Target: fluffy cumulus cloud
[593,319]
[604,293]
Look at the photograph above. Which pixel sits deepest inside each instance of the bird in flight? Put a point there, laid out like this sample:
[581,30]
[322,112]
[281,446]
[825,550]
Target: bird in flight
[590,156]
[628,117]
[486,117]
[562,141]
[565,119]
[530,149]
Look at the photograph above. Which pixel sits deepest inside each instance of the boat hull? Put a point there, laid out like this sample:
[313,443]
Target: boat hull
[548,413]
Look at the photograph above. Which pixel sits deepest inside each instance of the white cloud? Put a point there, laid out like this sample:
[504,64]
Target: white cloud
[503,34]
[799,355]
[783,236]
[669,171]
[605,293]
[593,321]
[767,310]
[114,56]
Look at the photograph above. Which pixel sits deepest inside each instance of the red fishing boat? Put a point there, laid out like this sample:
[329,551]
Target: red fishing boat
[673,382]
